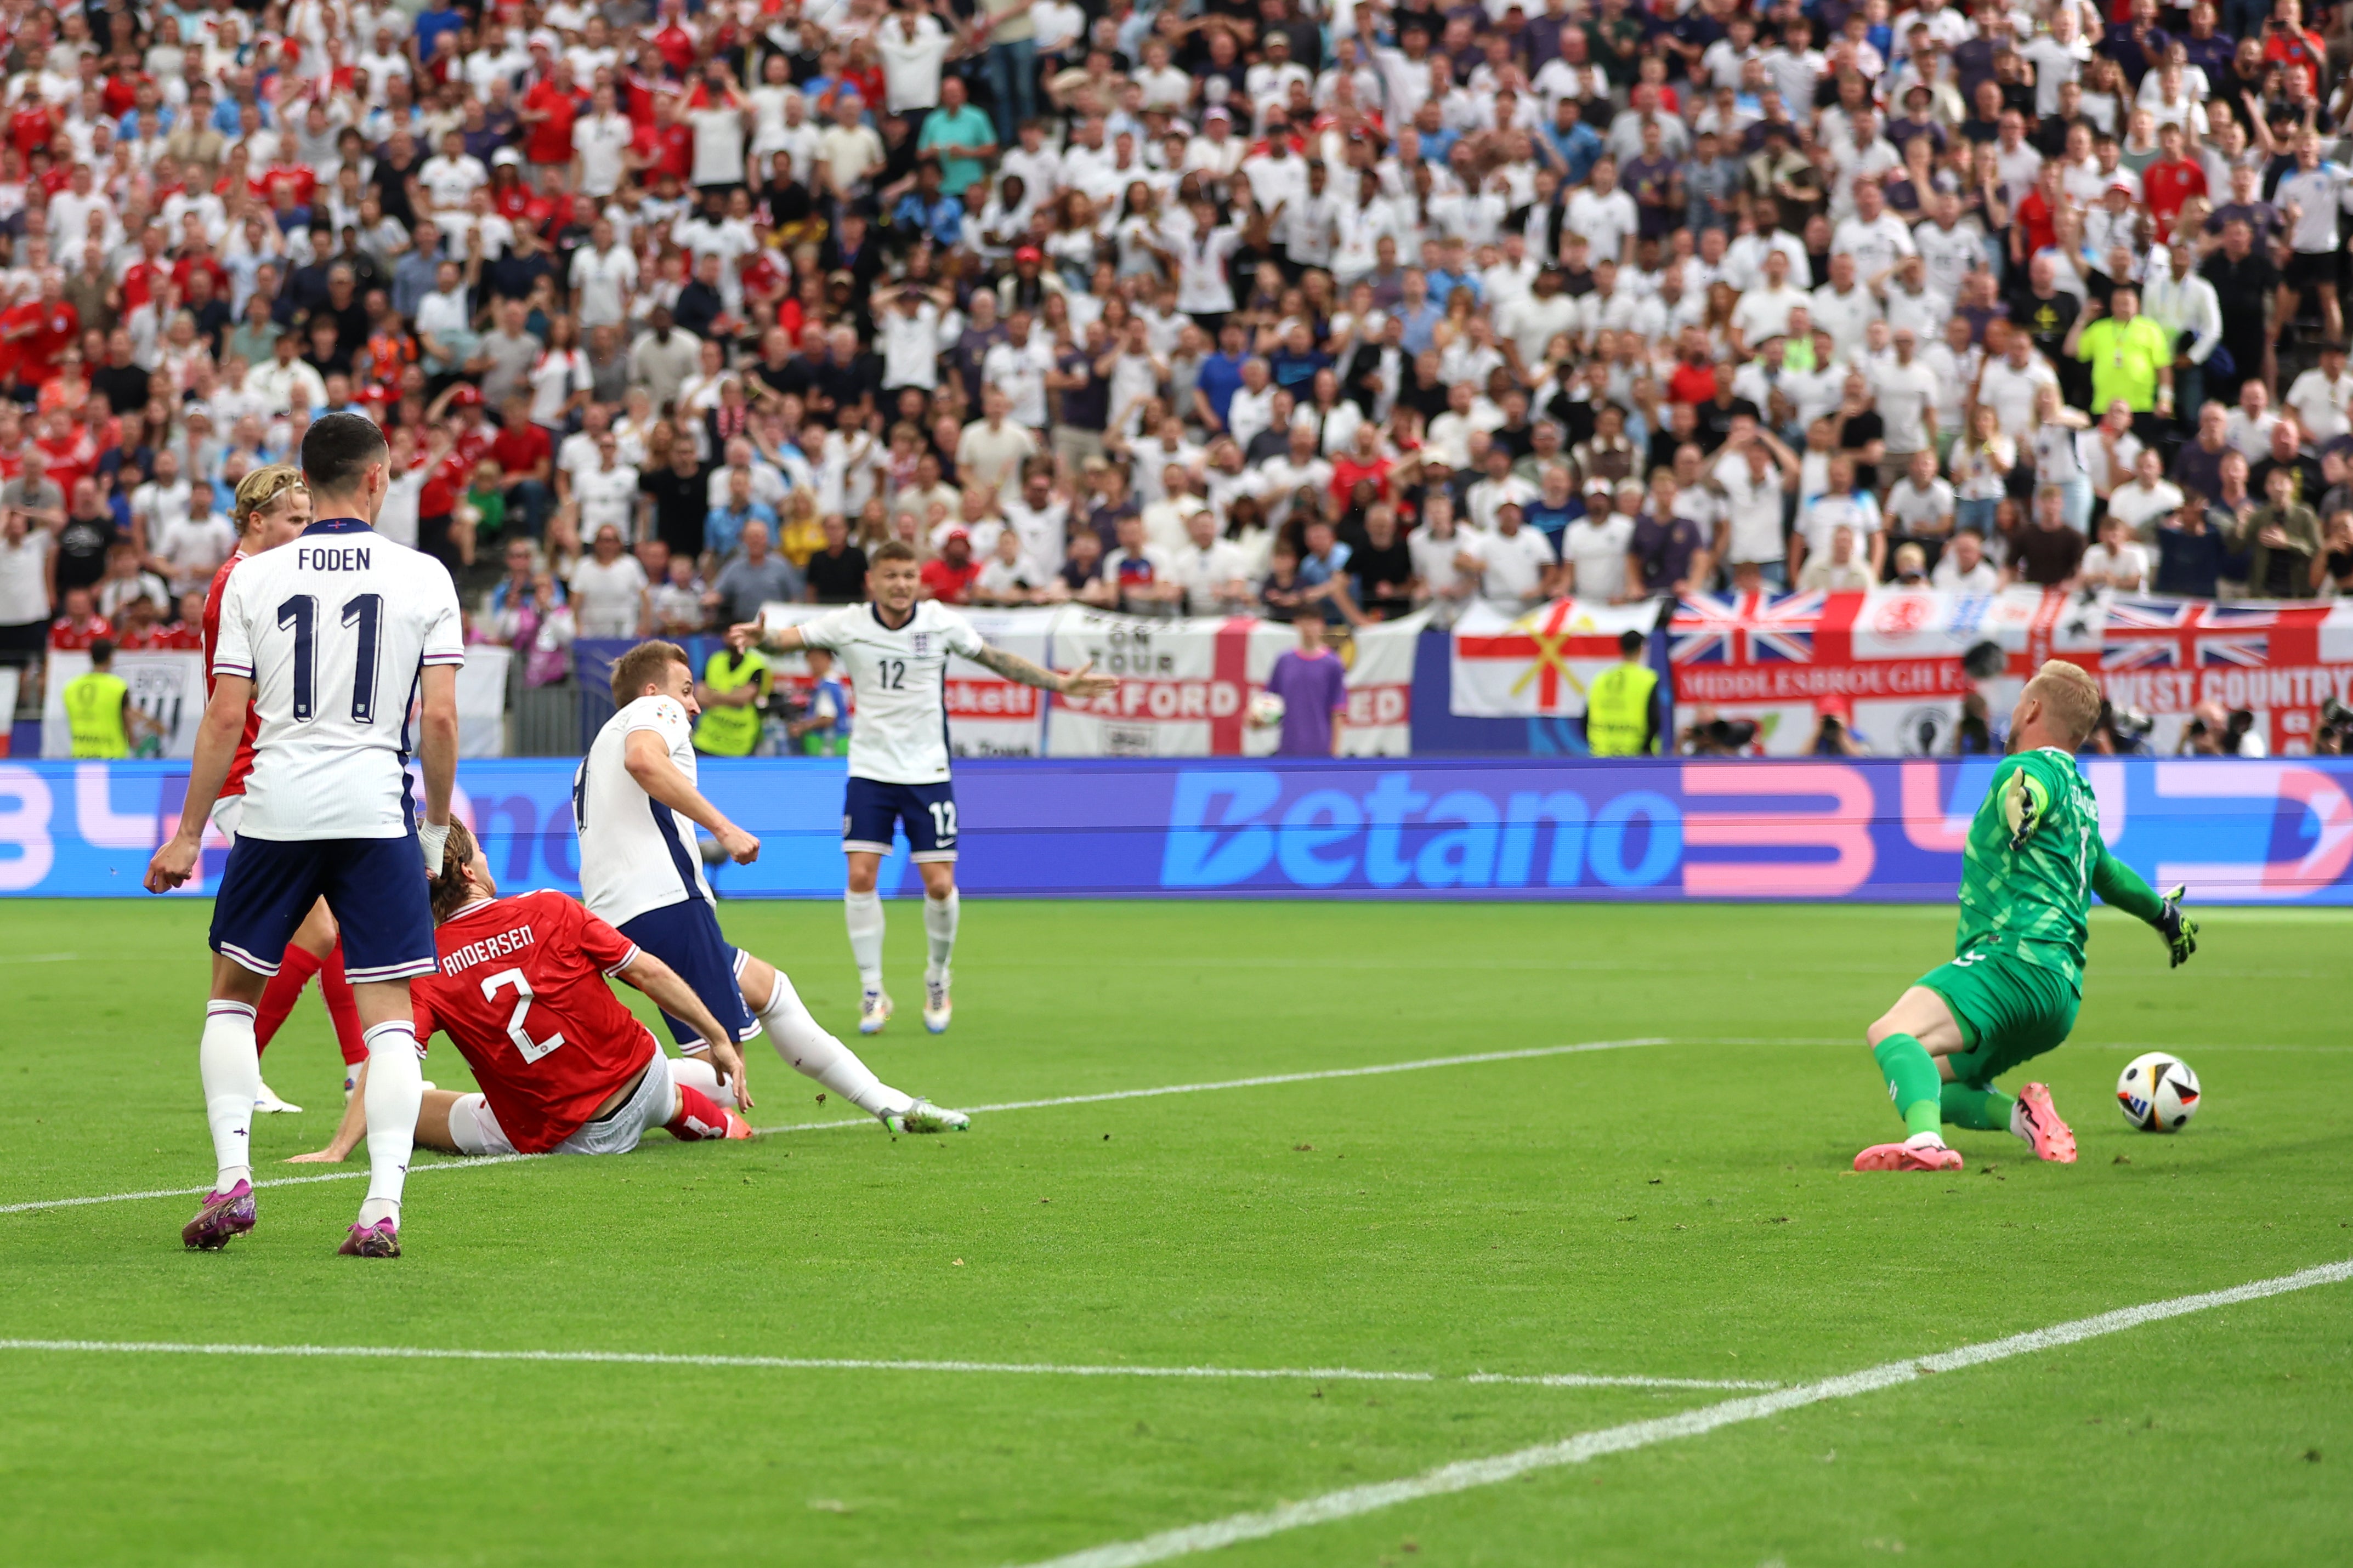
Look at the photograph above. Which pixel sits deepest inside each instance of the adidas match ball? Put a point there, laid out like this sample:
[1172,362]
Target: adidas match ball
[2158,1093]
[1265,710]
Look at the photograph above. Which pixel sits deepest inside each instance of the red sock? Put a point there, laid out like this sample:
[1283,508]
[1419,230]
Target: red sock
[342,1008]
[278,997]
[698,1116]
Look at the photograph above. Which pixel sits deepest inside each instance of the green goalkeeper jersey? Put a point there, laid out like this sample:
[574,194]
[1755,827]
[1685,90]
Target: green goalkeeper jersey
[2034,859]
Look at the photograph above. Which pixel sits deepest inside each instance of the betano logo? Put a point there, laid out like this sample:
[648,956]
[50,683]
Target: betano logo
[1225,830]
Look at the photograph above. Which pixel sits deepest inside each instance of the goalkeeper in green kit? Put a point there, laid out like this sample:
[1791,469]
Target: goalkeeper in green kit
[2033,861]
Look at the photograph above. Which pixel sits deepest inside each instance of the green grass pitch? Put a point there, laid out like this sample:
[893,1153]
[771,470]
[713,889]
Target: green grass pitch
[1674,1210]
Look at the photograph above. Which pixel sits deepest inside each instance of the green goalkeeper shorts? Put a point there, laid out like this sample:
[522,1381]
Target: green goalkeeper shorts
[2008,1011]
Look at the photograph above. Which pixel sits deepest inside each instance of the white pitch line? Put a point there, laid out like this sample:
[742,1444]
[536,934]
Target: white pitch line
[469,1165]
[40,958]
[1469,1473]
[841,1363]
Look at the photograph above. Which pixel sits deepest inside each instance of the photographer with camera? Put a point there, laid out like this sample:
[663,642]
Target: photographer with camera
[2217,731]
[1834,733]
[1709,735]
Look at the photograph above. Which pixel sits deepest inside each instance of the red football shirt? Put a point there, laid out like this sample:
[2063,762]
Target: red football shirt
[2166,185]
[54,328]
[292,177]
[67,638]
[242,764]
[31,126]
[948,584]
[669,149]
[549,141]
[518,451]
[521,994]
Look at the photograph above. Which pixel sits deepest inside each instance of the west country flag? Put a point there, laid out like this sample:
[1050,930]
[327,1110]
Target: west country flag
[1538,663]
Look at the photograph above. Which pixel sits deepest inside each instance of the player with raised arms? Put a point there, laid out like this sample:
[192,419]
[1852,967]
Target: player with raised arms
[564,1067]
[2033,859]
[636,802]
[330,639]
[273,508]
[895,651]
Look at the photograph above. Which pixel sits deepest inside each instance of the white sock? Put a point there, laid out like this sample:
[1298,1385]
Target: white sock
[939,929]
[695,1072]
[808,1049]
[231,1070]
[863,912]
[395,1089]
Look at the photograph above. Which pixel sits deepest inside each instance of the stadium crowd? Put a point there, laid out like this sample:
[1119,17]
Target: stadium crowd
[1221,306]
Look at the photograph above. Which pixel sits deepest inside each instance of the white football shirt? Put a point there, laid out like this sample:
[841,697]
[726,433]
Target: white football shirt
[636,854]
[334,630]
[901,681]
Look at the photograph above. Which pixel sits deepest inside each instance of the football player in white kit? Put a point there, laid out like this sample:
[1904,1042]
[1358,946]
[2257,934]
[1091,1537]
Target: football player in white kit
[329,638]
[895,651]
[634,803]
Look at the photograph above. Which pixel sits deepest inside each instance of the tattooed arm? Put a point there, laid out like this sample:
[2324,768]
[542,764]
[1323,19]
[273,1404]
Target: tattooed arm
[1078,682]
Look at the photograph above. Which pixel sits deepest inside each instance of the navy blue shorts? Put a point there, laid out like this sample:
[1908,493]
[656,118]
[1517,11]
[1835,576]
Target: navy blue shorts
[869,807]
[686,937]
[376,888]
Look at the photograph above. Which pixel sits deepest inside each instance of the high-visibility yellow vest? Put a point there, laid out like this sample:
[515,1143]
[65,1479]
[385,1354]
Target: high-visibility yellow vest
[731,732]
[94,704]
[1618,711]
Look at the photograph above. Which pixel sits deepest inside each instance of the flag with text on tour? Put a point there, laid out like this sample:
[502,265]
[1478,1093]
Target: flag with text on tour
[1540,664]
[1185,685]
[1893,665]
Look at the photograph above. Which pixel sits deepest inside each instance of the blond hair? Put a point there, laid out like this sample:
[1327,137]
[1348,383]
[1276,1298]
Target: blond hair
[261,490]
[2070,699]
[451,891]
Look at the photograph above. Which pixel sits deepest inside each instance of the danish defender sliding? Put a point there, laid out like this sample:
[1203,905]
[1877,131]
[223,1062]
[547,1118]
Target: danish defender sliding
[895,651]
[2033,860]
[564,1067]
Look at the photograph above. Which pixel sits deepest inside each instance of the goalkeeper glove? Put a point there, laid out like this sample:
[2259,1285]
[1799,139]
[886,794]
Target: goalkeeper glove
[2024,802]
[2180,931]
[432,840]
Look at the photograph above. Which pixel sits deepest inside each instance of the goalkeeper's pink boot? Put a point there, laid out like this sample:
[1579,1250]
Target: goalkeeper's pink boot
[1908,1157]
[2053,1139]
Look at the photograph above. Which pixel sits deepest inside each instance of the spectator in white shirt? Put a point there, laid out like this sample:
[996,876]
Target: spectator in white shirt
[2116,561]
[608,588]
[1517,563]
[1964,569]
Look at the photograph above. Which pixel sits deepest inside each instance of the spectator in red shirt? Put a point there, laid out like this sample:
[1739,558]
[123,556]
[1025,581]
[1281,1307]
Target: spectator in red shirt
[948,576]
[549,107]
[667,146]
[2170,181]
[1363,462]
[526,459]
[672,39]
[2038,215]
[2288,42]
[39,330]
[80,626]
[1693,381]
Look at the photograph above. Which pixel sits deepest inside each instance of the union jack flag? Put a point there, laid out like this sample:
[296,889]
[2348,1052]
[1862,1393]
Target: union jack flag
[1745,629]
[2155,634]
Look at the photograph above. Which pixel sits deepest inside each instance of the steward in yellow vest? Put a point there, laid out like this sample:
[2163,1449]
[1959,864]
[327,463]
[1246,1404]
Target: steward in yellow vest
[738,683]
[1618,717]
[98,707]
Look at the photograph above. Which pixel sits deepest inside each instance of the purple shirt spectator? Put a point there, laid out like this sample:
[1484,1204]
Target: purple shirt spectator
[1311,688]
